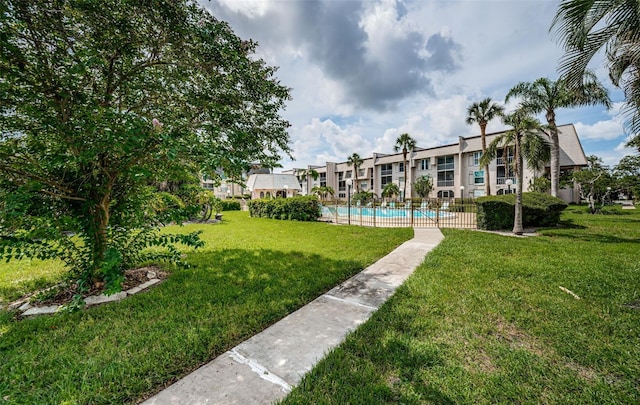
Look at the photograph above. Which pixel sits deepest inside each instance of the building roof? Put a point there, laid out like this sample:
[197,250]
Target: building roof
[274,181]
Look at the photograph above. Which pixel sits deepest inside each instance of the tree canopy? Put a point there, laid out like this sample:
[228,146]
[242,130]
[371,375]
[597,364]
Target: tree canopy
[102,100]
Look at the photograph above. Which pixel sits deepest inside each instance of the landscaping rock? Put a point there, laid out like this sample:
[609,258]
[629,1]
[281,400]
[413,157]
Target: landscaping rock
[41,310]
[101,299]
[143,286]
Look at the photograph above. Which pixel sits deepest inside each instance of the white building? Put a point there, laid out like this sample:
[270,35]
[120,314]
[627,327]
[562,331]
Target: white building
[454,168]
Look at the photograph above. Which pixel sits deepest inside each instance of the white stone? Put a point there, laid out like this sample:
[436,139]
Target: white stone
[24,306]
[152,274]
[143,286]
[41,310]
[101,299]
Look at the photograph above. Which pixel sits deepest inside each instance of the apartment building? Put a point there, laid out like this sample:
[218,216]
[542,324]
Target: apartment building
[455,169]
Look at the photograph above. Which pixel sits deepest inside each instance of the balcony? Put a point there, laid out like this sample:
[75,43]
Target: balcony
[502,180]
[500,160]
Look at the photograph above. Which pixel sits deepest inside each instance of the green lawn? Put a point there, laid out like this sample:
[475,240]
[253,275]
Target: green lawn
[251,273]
[483,320]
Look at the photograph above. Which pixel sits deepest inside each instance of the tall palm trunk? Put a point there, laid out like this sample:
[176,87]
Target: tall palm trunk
[517,221]
[555,153]
[404,186]
[487,180]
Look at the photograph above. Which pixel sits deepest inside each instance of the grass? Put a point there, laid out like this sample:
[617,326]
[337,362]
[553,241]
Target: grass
[483,320]
[251,273]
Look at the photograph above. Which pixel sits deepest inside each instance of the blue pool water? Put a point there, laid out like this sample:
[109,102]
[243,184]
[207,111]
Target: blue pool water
[381,212]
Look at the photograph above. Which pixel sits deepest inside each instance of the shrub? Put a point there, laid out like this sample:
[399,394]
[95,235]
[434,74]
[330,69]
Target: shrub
[538,209]
[302,208]
[231,205]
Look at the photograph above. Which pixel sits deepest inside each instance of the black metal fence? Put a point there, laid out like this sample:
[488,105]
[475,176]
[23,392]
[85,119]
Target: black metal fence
[427,213]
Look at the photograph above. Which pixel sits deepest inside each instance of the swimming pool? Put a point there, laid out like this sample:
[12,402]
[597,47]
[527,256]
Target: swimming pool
[384,212]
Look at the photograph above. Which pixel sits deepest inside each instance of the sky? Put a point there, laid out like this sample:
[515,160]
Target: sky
[364,72]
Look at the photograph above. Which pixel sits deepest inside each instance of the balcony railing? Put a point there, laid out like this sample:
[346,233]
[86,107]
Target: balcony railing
[500,160]
[502,180]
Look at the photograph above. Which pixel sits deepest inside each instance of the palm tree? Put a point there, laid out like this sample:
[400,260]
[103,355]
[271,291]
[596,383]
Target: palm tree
[584,28]
[544,95]
[481,113]
[306,173]
[356,161]
[529,144]
[323,191]
[406,143]
[390,189]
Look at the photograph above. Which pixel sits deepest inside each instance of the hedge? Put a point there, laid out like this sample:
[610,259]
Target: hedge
[230,205]
[538,210]
[302,208]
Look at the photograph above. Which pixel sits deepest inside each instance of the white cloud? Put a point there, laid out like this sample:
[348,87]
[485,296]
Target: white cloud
[363,72]
[601,130]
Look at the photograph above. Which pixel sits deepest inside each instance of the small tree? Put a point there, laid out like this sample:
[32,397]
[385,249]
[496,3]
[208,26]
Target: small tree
[101,100]
[390,190]
[593,182]
[423,186]
[627,175]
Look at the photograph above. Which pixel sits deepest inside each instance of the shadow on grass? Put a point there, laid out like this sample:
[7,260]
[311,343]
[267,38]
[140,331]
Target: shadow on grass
[121,352]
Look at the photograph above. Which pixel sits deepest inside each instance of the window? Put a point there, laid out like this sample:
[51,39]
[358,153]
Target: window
[323,179]
[340,176]
[363,185]
[424,164]
[445,194]
[386,172]
[401,167]
[475,159]
[361,172]
[348,174]
[342,186]
[445,171]
[478,177]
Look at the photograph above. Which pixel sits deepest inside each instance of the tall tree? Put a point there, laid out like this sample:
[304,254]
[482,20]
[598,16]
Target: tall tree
[544,95]
[305,174]
[356,161]
[529,145]
[102,99]
[584,28]
[405,143]
[481,113]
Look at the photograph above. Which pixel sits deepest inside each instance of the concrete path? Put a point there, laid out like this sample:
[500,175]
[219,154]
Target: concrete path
[264,368]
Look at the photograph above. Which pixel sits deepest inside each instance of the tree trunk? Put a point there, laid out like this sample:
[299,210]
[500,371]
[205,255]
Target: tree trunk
[517,220]
[555,153]
[404,186]
[487,179]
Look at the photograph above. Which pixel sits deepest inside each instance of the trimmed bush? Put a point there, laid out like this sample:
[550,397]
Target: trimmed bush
[230,205]
[302,208]
[538,210]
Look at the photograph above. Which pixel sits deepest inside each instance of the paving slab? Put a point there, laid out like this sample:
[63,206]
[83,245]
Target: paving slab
[264,368]
[291,347]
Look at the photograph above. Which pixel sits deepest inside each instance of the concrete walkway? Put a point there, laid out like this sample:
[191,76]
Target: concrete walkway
[264,368]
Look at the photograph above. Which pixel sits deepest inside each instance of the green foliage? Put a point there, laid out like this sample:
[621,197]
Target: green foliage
[423,186]
[483,321]
[251,273]
[101,101]
[301,208]
[363,197]
[390,189]
[540,184]
[538,210]
[228,205]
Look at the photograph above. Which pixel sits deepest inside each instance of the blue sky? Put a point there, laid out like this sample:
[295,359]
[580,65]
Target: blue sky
[363,72]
